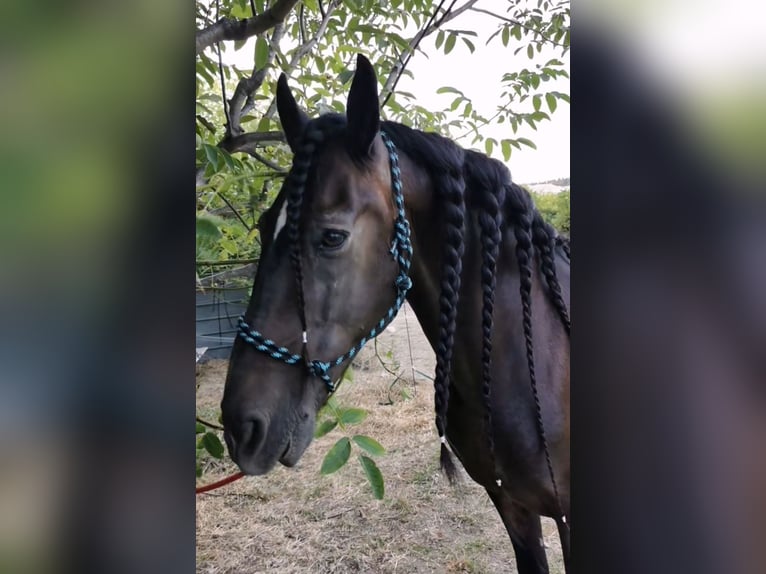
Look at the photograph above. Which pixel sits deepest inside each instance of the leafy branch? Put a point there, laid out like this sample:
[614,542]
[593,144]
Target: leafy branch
[242,100]
[340,453]
[521,24]
[406,55]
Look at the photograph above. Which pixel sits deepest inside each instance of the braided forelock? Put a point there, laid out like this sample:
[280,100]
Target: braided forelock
[296,182]
[315,133]
[543,238]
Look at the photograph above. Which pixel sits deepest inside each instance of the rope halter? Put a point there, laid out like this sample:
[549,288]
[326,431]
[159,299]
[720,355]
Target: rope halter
[401,251]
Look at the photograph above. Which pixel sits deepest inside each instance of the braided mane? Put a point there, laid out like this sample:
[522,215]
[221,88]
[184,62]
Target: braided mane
[467,181]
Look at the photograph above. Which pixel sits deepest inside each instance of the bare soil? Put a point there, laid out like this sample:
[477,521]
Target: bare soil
[295,520]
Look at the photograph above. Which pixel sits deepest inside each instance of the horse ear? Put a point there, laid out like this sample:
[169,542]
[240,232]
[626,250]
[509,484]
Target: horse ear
[292,117]
[362,109]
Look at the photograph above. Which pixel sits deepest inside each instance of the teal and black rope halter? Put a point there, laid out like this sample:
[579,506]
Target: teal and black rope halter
[401,251]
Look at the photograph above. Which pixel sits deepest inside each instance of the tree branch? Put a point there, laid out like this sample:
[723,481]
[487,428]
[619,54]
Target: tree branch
[520,24]
[251,140]
[305,49]
[234,210]
[404,58]
[206,123]
[233,29]
[268,163]
[242,100]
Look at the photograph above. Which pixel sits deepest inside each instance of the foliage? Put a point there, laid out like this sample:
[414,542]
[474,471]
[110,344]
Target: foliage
[554,207]
[333,415]
[316,47]
[209,446]
[241,159]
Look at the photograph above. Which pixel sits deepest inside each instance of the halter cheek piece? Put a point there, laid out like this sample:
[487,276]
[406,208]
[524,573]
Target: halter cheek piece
[401,251]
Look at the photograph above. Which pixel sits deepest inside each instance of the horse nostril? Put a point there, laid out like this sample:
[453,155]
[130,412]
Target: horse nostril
[249,435]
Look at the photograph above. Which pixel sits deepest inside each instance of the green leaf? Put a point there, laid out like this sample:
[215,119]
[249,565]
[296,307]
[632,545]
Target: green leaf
[448,90]
[212,444]
[530,51]
[229,245]
[263,125]
[352,416]
[337,456]
[239,12]
[345,76]
[551,99]
[324,427]
[374,476]
[207,227]
[537,101]
[200,428]
[261,52]
[527,142]
[369,444]
[506,146]
[505,35]
[470,45]
[450,43]
[439,39]
[488,145]
[227,159]
[211,152]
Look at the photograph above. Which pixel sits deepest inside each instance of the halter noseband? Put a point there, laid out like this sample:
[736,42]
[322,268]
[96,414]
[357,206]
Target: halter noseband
[401,251]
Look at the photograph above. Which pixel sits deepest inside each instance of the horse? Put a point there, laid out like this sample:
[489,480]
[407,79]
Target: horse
[373,213]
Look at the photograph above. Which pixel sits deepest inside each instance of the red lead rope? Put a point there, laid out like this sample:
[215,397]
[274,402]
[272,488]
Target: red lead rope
[220,483]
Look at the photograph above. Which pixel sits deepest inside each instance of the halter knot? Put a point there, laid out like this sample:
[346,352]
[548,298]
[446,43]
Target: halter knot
[320,369]
[403,283]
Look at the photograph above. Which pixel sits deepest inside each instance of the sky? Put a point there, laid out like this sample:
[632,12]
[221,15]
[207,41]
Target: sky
[478,75]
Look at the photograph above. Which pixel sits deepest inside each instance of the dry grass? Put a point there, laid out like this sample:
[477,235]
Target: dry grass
[298,521]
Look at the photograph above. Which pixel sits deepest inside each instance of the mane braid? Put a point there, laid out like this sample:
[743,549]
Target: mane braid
[543,238]
[490,221]
[444,161]
[524,256]
[451,186]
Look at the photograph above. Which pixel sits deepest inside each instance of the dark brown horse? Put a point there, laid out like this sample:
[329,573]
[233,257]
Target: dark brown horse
[490,287]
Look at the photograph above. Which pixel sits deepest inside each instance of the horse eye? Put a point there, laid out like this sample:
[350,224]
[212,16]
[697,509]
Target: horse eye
[333,238]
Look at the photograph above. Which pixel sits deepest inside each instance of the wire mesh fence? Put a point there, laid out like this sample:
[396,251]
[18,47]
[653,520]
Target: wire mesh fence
[223,291]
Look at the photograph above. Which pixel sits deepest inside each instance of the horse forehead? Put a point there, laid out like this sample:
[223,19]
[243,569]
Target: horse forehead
[347,183]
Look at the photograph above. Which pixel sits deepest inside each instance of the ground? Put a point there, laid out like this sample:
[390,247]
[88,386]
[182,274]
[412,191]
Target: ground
[296,521]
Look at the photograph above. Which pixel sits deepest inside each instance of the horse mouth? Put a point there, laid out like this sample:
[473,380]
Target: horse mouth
[285,458]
